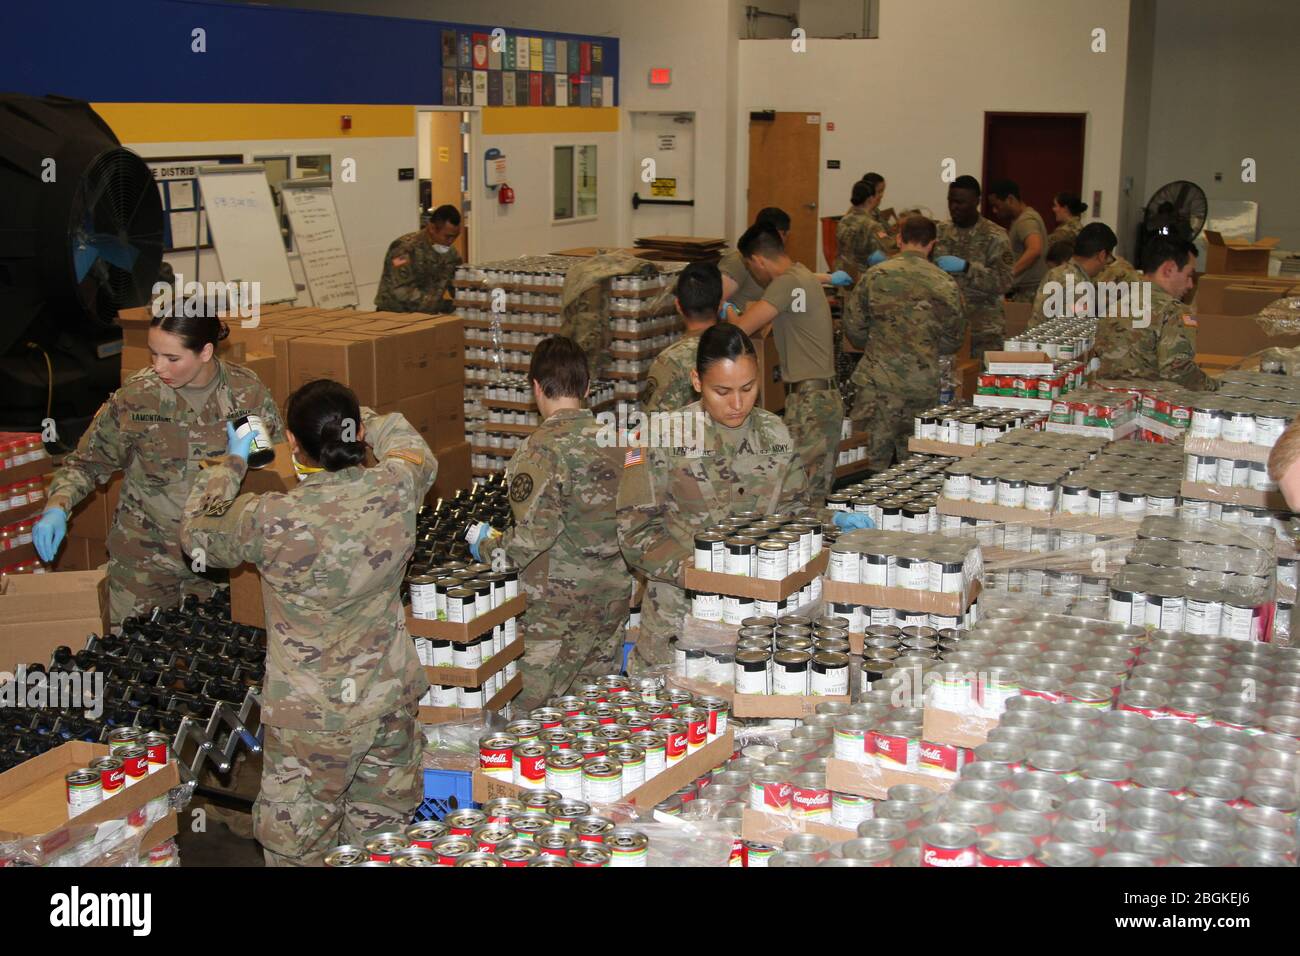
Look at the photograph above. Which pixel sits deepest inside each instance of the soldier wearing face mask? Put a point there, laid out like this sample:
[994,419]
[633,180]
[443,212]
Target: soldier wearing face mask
[419,267]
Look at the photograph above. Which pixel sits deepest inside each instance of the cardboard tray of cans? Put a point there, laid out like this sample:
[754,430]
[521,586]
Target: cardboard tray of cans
[475,676]
[1120,431]
[1272,500]
[1039,519]
[875,542]
[736,585]
[652,792]
[444,715]
[34,801]
[759,705]
[873,781]
[446,630]
[773,829]
[903,599]
[1218,448]
[927,446]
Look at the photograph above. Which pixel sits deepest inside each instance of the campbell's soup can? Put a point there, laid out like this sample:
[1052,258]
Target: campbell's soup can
[495,755]
[111,774]
[948,844]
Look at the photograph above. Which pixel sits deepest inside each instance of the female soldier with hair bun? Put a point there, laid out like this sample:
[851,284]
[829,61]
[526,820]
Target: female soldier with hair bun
[160,428]
[339,703]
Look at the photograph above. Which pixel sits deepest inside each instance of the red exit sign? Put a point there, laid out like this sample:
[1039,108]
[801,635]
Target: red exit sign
[660,76]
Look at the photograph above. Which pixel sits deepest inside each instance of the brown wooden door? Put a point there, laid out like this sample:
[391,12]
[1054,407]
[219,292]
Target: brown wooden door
[445,166]
[784,156]
[1042,152]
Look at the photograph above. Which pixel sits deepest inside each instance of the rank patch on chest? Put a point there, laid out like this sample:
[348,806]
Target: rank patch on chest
[399,261]
[521,486]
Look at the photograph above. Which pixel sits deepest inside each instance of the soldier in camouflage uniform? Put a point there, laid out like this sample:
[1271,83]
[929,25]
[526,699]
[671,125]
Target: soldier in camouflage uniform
[160,428]
[1093,251]
[340,698]
[905,314]
[1163,346]
[1120,269]
[982,266]
[1068,210]
[858,234]
[563,485]
[420,266]
[795,306]
[584,302]
[667,495]
[698,294]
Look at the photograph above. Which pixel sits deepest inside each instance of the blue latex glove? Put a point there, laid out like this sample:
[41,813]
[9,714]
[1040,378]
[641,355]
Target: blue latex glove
[48,533]
[876,258]
[726,311]
[841,278]
[951,263]
[235,445]
[851,521]
[485,532]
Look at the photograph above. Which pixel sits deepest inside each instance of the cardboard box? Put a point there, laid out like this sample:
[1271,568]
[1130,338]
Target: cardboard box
[873,781]
[772,829]
[904,599]
[927,446]
[1019,363]
[959,730]
[1237,335]
[446,630]
[39,612]
[446,715]
[1211,290]
[1217,448]
[324,356]
[1248,299]
[740,586]
[439,415]
[420,357]
[653,791]
[777,705]
[1230,255]
[263,366]
[246,603]
[81,554]
[474,676]
[33,798]
[1039,519]
[454,472]
[93,516]
[1015,317]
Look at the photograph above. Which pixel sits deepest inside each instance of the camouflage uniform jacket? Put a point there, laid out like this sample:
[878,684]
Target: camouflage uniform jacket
[669,385]
[884,239]
[987,249]
[1047,292]
[563,487]
[905,314]
[666,495]
[855,234]
[332,553]
[584,302]
[1119,269]
[417,277]
[1165,350]
[1065,232]
[149,430]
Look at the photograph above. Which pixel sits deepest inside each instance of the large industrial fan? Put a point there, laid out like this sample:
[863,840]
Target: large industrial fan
[1175,210]
[81,232]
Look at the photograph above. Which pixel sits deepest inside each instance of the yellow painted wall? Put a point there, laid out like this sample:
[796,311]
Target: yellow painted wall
[211,122]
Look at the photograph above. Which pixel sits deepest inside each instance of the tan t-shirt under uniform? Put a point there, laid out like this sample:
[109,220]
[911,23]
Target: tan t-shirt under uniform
[733,266]
[804,337]
[1026,224]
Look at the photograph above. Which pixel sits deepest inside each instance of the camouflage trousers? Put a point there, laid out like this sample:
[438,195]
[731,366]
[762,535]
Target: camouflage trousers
[565,643]
[815,419]
[885,414]
[143,573]
[662,611]
[322,789]
[1022,293]
[987,330]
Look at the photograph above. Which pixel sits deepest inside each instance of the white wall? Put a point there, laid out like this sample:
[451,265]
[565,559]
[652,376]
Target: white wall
[373,211]
[904,102]
[1137,118]
[1225,80]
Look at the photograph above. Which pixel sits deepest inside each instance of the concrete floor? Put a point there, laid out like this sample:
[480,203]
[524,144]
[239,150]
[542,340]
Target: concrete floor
[220,844]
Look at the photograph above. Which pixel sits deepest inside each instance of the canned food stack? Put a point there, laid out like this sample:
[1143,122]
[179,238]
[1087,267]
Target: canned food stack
[751,546]
[539,828]
[174,664]
[1060,339]
[903,497]
[793,655]
[24,474]
[133,755]
[970,427]
[1165,408]
[1008,387]
[509,306]
[1110,414]
[852,447]
[931,579]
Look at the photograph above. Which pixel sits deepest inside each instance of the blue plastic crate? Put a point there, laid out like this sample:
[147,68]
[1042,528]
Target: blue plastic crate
[445,791]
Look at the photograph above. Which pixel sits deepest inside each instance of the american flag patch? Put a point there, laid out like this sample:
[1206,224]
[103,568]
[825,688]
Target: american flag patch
[633,457]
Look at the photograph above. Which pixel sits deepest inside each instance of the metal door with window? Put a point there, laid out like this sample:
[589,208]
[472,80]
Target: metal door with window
[662,206]
[784,155]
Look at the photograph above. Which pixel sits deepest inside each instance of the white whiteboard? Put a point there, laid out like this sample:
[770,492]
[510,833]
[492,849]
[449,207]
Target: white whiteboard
[246,229]
[319,235]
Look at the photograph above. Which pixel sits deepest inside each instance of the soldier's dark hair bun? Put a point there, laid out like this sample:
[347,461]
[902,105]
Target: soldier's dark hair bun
[722,342]
[325,418]
[194,331]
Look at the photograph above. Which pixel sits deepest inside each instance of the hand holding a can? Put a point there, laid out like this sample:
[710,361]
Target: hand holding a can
[238,445]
